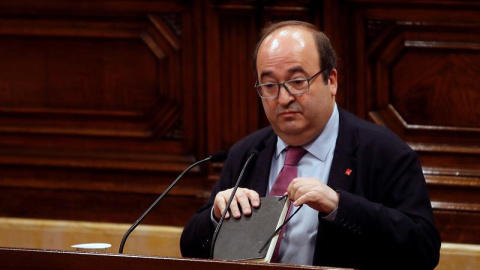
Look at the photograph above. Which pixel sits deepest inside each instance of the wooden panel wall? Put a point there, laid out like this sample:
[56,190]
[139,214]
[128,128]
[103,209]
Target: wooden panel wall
[103,103]
[98,107]
[414,69]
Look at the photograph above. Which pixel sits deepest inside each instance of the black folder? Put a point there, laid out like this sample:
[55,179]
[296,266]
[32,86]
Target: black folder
[242,239]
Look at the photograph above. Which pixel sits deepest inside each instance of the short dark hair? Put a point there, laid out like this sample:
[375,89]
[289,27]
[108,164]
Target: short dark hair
[328,58]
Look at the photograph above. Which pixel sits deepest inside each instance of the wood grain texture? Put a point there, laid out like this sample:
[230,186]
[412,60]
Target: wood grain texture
[22,259]
[415,71]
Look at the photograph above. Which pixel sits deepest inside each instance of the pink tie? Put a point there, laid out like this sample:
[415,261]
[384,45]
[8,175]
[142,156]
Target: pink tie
[286,175]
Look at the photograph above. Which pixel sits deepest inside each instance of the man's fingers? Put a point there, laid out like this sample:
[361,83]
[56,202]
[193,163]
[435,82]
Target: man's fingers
[219,206]
[293,189]
[314,193]
[253,197]
[234,208]
[302,199]
[242,202]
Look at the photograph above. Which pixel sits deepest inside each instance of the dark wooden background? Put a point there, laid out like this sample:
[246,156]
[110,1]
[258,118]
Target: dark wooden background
[104,102]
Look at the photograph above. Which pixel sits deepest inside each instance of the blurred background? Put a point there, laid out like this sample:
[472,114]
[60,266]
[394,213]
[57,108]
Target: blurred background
[104,102]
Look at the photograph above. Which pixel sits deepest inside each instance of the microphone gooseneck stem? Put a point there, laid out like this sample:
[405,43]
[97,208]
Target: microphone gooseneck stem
[125,236]
[229,202]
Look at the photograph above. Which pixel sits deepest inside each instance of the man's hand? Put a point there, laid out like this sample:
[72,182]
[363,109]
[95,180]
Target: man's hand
[312,192]
[243,197]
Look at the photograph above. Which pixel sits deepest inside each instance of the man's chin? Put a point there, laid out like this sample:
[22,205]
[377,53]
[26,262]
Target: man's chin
[291,130]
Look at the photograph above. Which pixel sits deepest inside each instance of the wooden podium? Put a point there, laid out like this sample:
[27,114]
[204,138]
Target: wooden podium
[22,259]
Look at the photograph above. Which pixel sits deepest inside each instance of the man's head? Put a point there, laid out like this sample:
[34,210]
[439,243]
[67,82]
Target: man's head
[296,51]
[328,58]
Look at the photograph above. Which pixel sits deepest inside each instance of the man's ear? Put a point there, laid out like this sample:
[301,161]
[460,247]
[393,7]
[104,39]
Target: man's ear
[333,82]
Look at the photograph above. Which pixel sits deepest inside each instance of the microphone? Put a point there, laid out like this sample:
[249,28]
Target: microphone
[215,157]
[252,155]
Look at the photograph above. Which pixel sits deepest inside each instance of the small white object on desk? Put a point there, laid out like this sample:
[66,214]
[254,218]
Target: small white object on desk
[92,247]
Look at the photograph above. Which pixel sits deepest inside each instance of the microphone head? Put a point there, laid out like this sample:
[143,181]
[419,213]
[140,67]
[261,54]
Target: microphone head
[253,152]
[218,156]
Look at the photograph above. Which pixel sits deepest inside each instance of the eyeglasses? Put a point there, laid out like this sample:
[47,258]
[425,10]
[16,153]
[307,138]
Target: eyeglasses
[294,87]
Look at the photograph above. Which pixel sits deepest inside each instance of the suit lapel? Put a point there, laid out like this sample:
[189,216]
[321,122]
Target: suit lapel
[343,170]
[261,172]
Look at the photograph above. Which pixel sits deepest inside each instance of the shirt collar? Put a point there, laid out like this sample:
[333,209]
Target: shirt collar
[320,146]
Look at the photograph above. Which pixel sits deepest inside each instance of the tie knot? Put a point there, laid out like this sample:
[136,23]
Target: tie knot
[294,154]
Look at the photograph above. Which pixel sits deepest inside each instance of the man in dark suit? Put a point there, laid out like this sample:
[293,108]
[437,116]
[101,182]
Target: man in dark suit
[366,197]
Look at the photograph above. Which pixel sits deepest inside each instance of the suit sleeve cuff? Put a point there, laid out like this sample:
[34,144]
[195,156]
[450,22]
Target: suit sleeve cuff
[212,218]
[331,217]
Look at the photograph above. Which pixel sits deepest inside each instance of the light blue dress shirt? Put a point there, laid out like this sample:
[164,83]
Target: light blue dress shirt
[298,244]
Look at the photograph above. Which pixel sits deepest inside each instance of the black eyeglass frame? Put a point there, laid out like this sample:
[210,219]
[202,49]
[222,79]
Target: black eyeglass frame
[285,86]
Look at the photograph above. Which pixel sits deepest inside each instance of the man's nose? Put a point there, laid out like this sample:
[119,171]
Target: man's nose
[284,97]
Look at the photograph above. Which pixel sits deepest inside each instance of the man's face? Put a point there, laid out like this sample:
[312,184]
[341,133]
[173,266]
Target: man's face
[290,53]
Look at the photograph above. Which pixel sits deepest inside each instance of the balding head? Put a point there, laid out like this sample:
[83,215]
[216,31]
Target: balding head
[328,58]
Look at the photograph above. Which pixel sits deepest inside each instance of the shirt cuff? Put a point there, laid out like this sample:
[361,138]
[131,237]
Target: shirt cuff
[331,217]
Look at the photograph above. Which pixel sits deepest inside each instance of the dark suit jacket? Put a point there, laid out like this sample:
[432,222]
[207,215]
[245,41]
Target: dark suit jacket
[384,218]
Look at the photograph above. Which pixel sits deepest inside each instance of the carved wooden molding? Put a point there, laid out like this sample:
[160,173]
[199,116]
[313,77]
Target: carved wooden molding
[450,177]
[117,130]
[156,36]
[396,121]
[93,8]
[385,53]
[457,207]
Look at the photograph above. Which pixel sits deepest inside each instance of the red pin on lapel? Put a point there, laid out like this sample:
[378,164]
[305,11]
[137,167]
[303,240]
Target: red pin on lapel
[348,171]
